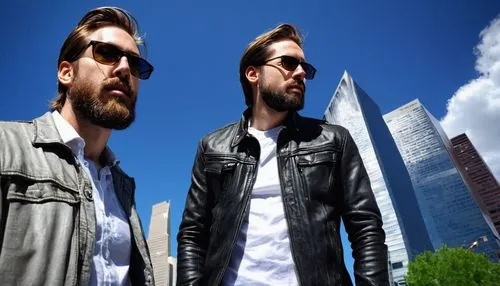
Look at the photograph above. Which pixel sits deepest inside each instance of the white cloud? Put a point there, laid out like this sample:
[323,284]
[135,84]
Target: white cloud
[475,107]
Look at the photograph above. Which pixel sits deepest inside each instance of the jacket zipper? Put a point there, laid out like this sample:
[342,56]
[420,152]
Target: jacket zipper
[238,229]
[287,212]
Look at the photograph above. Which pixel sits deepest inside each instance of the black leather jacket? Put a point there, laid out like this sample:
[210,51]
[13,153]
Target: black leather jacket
[322,180]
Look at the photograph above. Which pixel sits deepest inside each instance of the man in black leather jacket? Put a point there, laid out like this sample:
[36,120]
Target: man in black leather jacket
[268,192]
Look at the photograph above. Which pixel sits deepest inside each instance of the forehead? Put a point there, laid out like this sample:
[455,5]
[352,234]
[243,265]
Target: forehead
[286,47]
[116,36]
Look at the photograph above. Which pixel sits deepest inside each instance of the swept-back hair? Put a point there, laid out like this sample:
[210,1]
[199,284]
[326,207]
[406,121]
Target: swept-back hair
[257,52]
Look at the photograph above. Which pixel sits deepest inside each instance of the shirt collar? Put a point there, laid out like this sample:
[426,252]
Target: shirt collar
[73,140]
[291,123]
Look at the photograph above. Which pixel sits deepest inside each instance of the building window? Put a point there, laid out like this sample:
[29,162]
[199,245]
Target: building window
[397,265]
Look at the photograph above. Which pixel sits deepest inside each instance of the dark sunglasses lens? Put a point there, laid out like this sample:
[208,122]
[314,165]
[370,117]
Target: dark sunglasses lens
[289,63]
[135,65]
[106,54]
[309,69]
[146,69]
[140,67]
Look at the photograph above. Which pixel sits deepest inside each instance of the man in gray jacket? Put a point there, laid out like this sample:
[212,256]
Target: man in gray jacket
[67,211]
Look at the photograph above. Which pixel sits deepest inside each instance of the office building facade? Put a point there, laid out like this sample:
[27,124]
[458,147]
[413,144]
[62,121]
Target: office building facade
[406,235]
[450,213]
[484,186]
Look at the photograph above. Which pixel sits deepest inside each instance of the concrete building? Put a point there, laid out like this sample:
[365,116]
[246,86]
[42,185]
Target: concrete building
[159,243]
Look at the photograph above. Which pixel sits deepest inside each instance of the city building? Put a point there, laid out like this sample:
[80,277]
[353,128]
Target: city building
[159,243]
[172,261]
[484,186]
[406,235]
[451,215]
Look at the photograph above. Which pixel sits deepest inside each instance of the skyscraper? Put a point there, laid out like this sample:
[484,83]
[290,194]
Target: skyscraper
[406,234]
[450,213]
[173,270]
[484,186]
[159,242]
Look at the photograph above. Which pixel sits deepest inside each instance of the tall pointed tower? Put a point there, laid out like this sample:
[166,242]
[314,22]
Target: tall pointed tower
[406,235]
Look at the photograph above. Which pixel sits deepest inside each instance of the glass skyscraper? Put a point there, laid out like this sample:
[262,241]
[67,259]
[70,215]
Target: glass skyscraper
[484,186]
[451,215]
[406,234]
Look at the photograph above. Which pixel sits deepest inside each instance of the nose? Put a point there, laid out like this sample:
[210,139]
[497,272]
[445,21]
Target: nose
[122,69]
[299,73]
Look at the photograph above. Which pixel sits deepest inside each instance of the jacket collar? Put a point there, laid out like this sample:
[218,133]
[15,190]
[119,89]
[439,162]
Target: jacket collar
[45,130]
[291,124]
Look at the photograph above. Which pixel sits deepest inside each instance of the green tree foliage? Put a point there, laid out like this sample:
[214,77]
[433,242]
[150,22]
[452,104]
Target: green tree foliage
[454,267]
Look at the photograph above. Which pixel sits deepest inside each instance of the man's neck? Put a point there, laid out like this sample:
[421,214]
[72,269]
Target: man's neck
[95,137]
[265,118]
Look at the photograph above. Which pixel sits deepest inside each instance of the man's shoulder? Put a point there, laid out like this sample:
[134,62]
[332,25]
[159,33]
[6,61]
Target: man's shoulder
[223,132]
[11,131]
[15,144]
[15,124]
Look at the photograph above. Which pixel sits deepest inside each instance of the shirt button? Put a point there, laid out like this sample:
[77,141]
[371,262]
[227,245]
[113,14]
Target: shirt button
[88,193]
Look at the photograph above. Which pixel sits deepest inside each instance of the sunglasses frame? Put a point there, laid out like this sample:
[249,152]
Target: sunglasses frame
[135,62]
[305,66]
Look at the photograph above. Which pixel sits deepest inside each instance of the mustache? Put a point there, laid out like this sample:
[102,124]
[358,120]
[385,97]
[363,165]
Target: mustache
[115,83]
[299,84]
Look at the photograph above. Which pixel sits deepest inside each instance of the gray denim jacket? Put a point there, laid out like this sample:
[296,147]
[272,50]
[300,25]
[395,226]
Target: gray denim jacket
[47,215]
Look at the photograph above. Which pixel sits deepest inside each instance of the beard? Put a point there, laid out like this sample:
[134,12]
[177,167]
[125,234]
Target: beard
[282,101]
[101,109]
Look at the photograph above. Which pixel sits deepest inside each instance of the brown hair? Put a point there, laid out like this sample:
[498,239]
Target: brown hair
[257,52]
[75,43]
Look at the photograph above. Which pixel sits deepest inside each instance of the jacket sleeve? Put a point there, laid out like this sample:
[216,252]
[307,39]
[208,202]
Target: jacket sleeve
[193,233]
[362,219]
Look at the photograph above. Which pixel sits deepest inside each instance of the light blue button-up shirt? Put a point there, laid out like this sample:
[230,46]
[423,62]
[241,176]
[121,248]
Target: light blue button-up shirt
[112,243]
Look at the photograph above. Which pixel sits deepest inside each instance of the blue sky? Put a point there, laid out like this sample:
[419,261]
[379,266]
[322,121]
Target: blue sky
[396,50]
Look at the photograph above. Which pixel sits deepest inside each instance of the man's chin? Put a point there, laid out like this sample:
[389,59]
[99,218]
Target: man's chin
[287,108]
[114,119]
[115,124]
[288,102]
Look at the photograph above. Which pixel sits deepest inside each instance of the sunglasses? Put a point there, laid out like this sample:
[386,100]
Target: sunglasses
[109,54]
[291,63]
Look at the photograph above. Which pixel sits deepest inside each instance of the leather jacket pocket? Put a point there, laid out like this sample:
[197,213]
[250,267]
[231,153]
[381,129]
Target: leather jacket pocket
[317,174]
[219,176]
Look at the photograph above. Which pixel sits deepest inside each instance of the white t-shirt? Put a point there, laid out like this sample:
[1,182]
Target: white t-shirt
[262,253]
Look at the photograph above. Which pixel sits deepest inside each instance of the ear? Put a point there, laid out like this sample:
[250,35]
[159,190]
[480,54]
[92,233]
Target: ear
[65,73]
[252,74]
